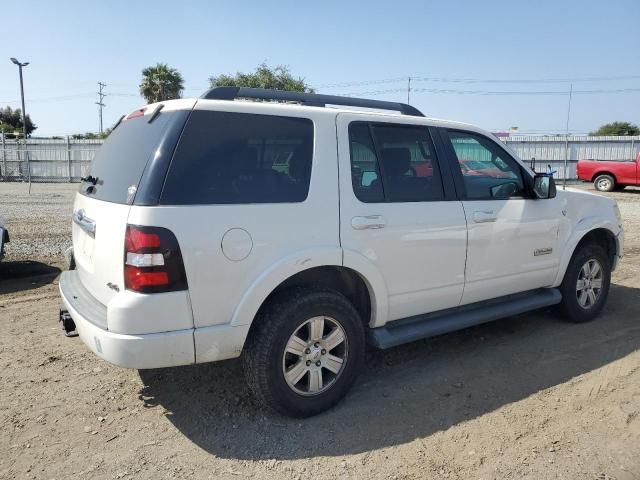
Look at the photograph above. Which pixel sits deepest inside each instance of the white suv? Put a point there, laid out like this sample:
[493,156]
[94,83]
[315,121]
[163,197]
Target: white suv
[293,235]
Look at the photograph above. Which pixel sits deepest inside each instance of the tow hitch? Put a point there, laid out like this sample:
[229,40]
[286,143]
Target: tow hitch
[68,325]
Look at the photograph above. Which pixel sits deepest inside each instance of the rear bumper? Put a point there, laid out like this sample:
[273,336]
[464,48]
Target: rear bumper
[151,350]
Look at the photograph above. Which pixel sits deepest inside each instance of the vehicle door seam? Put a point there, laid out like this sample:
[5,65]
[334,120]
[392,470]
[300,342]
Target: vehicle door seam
[466,251]
[339,192]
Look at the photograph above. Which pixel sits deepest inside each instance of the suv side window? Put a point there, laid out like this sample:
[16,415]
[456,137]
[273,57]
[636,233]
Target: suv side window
[238,158]
[489,173]
[397,164]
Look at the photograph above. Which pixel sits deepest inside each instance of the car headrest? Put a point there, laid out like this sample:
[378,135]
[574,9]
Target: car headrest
[397,160]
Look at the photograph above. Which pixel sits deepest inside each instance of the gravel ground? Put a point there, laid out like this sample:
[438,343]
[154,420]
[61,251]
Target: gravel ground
[39,224]
[524,397]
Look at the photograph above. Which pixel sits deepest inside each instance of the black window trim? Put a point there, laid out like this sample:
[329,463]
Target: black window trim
[155,172]
[448,189]
[452,160]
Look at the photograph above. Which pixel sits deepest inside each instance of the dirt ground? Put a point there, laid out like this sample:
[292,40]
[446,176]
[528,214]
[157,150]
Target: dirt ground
[525,397]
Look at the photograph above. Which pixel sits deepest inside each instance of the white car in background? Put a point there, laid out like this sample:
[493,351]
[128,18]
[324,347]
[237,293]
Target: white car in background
[4,236]
[292,235]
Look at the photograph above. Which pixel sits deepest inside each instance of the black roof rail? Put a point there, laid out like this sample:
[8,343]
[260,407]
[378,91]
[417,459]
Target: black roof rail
[310,99]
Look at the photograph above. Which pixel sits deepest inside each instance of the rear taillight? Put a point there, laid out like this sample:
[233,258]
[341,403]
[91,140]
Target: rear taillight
[152,260]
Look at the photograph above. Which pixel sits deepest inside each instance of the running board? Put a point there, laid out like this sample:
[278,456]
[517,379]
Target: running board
[432,324]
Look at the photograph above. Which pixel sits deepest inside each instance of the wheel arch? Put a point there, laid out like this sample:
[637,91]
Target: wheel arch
[318,268]
[603,172]
[600,233]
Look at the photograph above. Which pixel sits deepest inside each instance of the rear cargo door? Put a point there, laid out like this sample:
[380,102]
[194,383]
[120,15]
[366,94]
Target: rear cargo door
[101,207]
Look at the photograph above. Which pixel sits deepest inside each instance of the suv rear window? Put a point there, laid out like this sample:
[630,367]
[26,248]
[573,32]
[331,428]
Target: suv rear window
[120,161]
[235,158]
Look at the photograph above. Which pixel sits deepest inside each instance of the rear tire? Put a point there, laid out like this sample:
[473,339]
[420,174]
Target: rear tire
[604,183]
[304,351]
[586,283]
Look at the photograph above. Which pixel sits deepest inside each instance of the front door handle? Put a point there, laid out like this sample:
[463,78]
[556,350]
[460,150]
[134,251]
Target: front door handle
[370,221]
[484,216]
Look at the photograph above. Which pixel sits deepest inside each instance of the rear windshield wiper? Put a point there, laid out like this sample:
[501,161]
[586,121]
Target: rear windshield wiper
[117,123]
[92,180]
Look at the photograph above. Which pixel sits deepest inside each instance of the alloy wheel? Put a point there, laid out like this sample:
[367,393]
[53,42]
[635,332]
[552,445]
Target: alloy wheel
[315,356]
[589,284]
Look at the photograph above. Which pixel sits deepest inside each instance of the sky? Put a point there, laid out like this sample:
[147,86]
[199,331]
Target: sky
[455,51]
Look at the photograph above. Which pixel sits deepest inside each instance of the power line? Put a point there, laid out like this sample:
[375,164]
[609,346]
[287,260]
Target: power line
[100,103]
[379,92]
[417,78]
[529,80]
[52,99]
[478,80]
[491,92]
[362,83]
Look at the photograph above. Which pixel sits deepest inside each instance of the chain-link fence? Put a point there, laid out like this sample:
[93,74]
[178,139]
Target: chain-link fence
[550,152]
[51,160]
[66,159]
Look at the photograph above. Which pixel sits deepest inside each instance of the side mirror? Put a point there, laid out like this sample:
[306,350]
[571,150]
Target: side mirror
[544,186]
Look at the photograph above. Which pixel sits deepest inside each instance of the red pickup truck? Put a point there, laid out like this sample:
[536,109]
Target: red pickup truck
[609,175]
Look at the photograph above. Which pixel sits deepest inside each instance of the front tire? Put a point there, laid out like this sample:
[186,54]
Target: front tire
[304,351]
[604,183]
[586,283]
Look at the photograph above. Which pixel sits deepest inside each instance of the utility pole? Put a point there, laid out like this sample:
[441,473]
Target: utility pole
[408,89]
[24,118]
[566,140]
[100,103]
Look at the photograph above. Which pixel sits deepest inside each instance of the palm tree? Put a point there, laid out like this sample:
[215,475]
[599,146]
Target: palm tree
[160,82]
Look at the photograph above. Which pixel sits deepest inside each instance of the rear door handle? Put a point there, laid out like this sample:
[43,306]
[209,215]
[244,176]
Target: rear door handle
[370,221]
[484,216]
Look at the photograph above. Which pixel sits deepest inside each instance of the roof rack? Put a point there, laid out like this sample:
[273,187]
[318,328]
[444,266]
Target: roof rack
[310,99]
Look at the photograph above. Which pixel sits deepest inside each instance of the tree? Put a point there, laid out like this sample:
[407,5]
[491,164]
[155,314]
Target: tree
[622,129]
[92,135]
[275,78]
[161,82]
[11,121]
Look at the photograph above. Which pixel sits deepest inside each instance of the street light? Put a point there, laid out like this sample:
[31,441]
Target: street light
[24,118]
